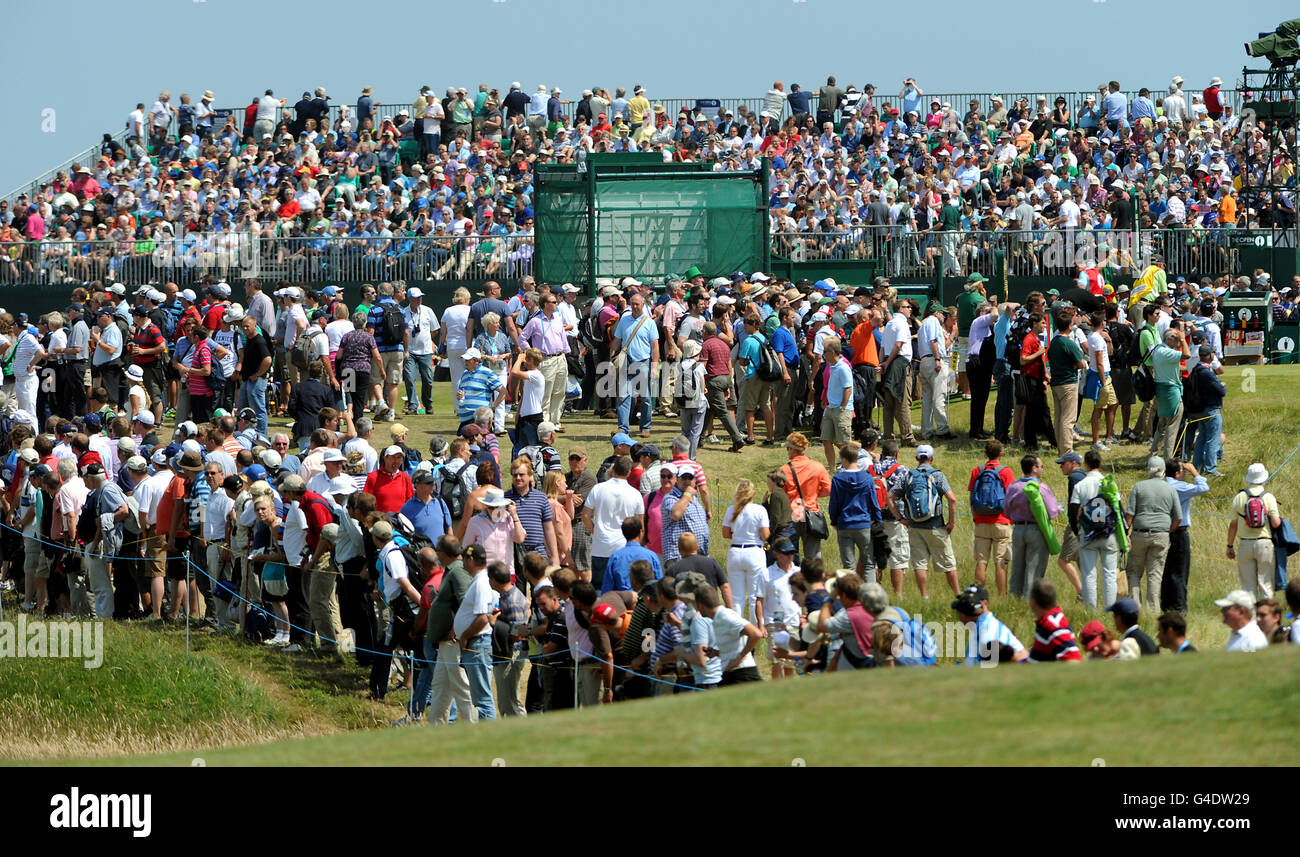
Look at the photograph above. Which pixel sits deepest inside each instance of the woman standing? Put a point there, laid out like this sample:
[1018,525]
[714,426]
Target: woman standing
[496,526]
[691,394]
[777,504]
[746,524]
[806,481]
[453,333]
[268,557]
[357,355]
[195,368]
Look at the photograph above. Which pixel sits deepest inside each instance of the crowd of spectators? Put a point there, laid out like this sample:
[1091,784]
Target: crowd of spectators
[854,173]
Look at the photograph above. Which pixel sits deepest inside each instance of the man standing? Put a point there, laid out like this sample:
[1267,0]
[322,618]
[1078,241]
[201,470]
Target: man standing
[1064,360]
[837,419]
[1153,513]
[920,503]
[1071,464]
[1255,515]
[896,346]
[1167,362]
[392,344]
[421,324]
[1178,562]
[684,513]
[450,683]
[988,507]
[716,356]
[1094,519]
[636,337]
[473,629]
[1238,609]
[608,505]
[514,618]
[1029,548]
[254,369]
[935,372]
[546,332]
[755,392]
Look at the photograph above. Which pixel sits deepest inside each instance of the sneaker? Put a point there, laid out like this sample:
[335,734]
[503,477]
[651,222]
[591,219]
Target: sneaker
[645,432]
[713,438]
[737,447]
[769,443]
[293,648]
[1078,432]
[277,640]
[1101,446]
[749,441]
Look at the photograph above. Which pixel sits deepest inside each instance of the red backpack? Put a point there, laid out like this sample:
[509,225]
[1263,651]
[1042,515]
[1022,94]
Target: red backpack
[882,485]
[1256,513]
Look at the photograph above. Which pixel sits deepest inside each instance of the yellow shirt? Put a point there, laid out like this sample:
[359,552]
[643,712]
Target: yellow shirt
[1239,509]
[637,108]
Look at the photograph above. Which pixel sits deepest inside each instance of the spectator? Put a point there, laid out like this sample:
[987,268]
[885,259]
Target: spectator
[1255,515]
[1125,611]
[988,507]
[989,639]
[1030,548]
[809,481]
[1172,633]
[609,504]
[1238,609]
[618,571]
[1153,514]
[853,510]
[920,503]
[1053,639]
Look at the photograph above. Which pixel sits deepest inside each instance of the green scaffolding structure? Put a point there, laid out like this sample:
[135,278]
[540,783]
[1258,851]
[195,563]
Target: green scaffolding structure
[617,215]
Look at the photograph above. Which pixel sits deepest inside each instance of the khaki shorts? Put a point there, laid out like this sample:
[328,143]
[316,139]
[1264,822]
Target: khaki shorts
[754,397]
[393,363]
[993,542]
[900,547]
[1106,397]
[837,425]
[35,562]
[156,551]
[931,542]
[1069,547]
[292,373]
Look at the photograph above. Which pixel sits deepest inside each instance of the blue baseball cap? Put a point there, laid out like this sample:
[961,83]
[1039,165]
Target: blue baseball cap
[255,472]
[1123,605]
[621,439]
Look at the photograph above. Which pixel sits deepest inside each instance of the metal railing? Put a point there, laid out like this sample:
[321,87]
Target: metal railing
[1045,252]
[1074,99]
[232,256]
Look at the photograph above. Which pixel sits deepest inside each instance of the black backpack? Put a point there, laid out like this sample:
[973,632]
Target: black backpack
[394,324]
[1192,401]
[411,544]
[769,362]
[1122,340]
[454,491]
[88,520]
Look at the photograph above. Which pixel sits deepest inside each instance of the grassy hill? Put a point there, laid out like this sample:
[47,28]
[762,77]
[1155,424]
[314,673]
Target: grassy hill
[147,699]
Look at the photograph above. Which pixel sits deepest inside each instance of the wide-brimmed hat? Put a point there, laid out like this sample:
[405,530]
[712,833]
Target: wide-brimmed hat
[495,498]
[1256,474]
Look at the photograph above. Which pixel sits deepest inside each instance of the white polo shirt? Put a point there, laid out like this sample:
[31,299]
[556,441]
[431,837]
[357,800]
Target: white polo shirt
[898,330]
[1249,639]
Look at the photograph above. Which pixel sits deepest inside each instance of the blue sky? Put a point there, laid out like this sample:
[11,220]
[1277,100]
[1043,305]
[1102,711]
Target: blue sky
[118,56]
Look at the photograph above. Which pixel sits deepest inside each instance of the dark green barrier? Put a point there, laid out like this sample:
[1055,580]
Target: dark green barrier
[1284,343]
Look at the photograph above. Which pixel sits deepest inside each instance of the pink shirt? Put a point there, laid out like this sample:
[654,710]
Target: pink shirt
[547,336]
[69,500]
[654,519]
[495,538]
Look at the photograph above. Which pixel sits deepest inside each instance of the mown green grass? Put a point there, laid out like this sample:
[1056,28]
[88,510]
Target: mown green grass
[1206,709]
[231,693]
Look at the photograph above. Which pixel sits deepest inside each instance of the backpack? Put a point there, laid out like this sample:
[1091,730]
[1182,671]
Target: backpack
[410,543]
[1192,401]
[411,459]
[257,625]
[1020,328]
[334,512]
[768,368]
[881,481]
[88,520]
[393,325]
[534,454]
[1122,339]
[301,353]
[917,648]
[921,498]
[1097,518]
[1256,512]
[453,491]
[989,496]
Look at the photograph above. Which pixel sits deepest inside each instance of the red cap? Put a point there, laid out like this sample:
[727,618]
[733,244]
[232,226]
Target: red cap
[1090,635]
[605,614]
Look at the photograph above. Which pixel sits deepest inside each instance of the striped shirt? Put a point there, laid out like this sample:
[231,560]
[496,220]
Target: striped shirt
[534,511]
[988,637]
[514,607]
[480,388]
[1053,639]
[701,484]
[694,521]
[669,635]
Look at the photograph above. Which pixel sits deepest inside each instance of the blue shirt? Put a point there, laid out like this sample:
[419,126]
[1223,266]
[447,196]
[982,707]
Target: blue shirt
[1186,491]
[783,341]
[841,379]
[749,352]
[1115,106]
[431,519]
[638,347]
[618,568]
[702,635]
[1000,331]
[480,388]
[108,336]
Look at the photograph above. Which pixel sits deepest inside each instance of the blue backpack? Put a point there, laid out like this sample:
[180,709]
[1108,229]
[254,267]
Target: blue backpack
[989,496]
[917,647]
[921,498]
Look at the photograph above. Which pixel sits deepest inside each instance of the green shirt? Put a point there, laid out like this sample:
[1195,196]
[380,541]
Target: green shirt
[1148,339]
[1063,357]
[966,305]
[950,218]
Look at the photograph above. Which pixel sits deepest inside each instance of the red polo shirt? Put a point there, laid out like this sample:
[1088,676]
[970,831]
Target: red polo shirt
[391,490]
[1007,478]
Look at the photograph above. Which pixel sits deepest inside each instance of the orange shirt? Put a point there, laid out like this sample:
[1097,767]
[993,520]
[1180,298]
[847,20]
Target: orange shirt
[863,343]
[1228,211]
[814,481]
[174,494]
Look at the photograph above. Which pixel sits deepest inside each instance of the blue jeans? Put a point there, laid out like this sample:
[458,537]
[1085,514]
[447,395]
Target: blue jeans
[425,364]
[637,384]
[422,691]
[1206,457]
[252,394]
[476,658]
